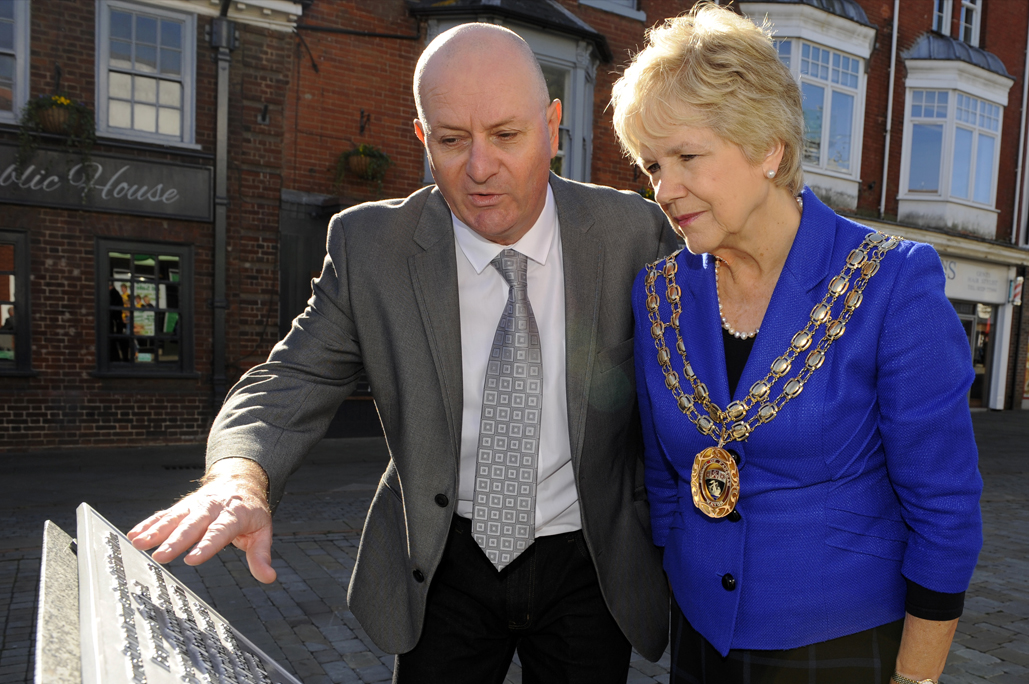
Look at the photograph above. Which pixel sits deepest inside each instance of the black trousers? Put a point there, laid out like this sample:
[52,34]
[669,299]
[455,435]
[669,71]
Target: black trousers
[867,657]
[546,604]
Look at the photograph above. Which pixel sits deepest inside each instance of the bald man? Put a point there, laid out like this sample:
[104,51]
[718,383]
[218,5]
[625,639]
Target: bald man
[491,315]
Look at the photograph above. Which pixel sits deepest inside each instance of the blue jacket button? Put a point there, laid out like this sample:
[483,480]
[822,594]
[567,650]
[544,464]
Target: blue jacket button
[728,582]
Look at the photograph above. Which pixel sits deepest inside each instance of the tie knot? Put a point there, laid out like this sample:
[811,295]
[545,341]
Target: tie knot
[513,266]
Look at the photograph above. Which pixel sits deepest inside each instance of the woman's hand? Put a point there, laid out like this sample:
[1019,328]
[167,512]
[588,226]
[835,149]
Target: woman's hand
[924,646]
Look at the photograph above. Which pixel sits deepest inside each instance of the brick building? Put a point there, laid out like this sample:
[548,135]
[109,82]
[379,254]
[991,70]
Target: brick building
[916,121]
[141,273]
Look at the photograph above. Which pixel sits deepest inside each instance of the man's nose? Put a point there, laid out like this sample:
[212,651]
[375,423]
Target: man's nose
[482,161]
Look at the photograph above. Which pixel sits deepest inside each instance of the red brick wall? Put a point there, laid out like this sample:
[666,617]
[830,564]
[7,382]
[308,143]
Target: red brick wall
[355,73]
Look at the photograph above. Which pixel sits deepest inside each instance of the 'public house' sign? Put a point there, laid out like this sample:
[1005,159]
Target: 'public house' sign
[104,183]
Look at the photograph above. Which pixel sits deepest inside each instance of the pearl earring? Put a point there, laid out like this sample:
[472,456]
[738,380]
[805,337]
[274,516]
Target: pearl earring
[770,173]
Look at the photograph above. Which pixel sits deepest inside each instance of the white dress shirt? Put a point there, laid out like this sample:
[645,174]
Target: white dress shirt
[483,295]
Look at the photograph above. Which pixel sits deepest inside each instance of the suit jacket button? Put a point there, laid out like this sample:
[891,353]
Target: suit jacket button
[442,500]
[735,456]
[734,517]
[728,582]
[419,577]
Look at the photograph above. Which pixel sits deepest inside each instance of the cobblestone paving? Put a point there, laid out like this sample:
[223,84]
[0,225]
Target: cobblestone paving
[302,619]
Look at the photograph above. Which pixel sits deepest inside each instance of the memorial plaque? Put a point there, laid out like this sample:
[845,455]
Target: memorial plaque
[141,625]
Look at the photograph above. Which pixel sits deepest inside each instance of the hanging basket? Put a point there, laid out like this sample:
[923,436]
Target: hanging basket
[358,165]
[54,119]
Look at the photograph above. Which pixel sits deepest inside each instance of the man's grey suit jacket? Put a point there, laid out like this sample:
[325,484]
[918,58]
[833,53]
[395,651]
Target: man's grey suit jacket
[386,304]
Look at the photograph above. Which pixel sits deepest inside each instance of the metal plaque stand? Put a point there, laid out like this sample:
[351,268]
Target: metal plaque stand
[128,620]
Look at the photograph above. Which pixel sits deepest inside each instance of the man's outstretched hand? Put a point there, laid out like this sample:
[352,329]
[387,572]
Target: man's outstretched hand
[230,508]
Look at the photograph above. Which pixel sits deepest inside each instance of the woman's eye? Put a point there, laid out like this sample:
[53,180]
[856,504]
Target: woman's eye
[652,168]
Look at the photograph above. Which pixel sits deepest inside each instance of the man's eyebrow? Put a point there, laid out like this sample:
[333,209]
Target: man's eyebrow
[492,127]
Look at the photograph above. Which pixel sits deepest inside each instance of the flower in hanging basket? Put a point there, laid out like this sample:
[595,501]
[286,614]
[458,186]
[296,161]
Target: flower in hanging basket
[55,115]
[366,162]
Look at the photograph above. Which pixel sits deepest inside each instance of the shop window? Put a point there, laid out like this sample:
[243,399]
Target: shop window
[15,312]
[145,78]
[144,308]
[14,58]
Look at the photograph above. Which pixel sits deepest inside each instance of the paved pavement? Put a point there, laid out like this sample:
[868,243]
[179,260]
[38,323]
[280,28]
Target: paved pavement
[302,619]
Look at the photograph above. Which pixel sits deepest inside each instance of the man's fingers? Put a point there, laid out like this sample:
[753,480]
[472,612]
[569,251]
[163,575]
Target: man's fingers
[156,528]
[190,529]
[217,535]
[259,555]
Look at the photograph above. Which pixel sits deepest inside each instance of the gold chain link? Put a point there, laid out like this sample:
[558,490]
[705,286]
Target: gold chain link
[732,424]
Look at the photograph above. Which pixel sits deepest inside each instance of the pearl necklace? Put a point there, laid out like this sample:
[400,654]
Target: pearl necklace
[738,334]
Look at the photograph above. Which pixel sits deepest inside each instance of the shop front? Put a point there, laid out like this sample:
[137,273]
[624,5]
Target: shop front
[981,284]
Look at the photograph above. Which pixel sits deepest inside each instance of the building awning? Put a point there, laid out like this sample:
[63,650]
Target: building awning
[546,14]
[933,45]
[848,9]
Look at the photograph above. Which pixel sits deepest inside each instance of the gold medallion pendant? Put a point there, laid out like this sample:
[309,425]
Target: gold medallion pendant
[715,482]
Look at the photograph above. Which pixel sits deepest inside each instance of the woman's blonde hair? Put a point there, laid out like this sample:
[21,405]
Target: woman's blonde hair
[714,68]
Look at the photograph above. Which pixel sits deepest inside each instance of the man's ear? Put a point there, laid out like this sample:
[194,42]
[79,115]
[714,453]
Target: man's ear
[419,131]
[554,125]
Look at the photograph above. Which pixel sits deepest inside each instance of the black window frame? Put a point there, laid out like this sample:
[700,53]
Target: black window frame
[22,363]
[105,366]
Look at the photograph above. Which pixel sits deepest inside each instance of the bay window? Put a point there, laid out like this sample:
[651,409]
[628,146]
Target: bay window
[953,120]
[826,50]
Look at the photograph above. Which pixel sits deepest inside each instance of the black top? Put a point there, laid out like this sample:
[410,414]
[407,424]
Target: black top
[921,602]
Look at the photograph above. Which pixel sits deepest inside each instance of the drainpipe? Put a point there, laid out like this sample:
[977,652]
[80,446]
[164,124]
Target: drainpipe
[223,39]
[889,108]
[1016,227]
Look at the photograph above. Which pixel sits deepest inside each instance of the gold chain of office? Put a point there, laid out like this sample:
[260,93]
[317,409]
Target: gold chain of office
[715,478]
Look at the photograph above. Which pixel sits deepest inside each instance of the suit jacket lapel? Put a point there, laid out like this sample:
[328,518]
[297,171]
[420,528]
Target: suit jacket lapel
[434,279]
[583,275]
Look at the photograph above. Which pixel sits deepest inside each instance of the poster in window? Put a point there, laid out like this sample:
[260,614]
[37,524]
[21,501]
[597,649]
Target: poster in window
[145,296]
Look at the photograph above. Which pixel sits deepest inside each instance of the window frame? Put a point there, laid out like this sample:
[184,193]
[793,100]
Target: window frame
[795,64]
[948,149]
[625,8]
[942,10]
[802,23]
[188,74]
[975,8]
[22,43]
[22,364]
[104,365]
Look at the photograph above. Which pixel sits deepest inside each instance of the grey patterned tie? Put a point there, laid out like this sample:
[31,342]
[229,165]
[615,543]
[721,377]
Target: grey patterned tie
[504,516]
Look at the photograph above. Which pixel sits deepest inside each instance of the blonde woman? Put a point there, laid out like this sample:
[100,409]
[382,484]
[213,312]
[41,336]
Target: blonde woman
[810,458]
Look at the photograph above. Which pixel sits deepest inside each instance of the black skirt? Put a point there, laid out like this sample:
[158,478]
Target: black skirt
[867,657]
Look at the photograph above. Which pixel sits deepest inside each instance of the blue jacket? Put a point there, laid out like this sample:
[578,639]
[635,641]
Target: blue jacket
[867,477]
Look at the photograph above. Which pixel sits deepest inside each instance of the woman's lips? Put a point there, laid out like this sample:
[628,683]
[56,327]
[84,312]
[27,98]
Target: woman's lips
[686,219]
